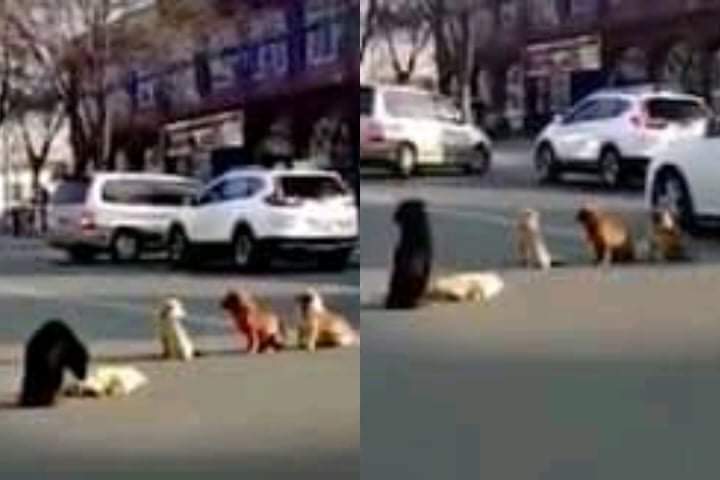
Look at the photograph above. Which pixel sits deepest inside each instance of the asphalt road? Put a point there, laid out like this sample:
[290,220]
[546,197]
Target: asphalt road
[289,415]
[578,373]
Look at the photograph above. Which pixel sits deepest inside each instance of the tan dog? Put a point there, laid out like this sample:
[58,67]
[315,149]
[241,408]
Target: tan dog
[174,339]
[321,327]
[666,237]
[255,320]
[607,235]
[476,287]
[532,250]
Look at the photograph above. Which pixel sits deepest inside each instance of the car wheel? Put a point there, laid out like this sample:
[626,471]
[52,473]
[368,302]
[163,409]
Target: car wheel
[670,191]
[480,163]
[335,261]
[406,159]
[125,247]
[246,252]
[178,249]
[81,255]
[546,164]
[610,168]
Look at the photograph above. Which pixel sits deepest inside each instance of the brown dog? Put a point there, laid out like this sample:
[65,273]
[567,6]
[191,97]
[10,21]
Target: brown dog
[607,235]
[320,327]
[255,320]
[666,238]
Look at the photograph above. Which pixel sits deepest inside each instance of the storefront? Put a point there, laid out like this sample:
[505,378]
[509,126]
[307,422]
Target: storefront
[267,79]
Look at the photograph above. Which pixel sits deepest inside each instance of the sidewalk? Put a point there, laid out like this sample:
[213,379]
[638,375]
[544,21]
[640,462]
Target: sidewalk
[289,415]
[10,243]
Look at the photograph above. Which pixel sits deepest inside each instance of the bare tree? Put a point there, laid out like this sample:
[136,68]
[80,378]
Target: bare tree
[368,20]
[456,31]
[405,30]
[39,127]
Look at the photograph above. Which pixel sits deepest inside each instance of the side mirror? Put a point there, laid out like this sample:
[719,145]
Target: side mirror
[191,201]
[558,118]
[713,127]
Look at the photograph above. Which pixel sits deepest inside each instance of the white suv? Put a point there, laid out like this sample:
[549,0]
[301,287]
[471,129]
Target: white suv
[685,178]
[617,132]
[407,129]
[249,215]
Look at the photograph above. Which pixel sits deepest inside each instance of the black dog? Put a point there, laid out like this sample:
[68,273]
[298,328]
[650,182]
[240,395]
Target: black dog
[51,349]
[413,256]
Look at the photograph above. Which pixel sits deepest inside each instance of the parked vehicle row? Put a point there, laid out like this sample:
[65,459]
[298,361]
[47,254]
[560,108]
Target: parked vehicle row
[248,216]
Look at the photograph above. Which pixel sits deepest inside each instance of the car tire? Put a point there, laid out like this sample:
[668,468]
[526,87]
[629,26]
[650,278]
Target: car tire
[335,261]
[80,255]
[247,254]
[406,161]
[546,164]
[480,164]
[610,167]
[125,247]
[178,249]
[670,191]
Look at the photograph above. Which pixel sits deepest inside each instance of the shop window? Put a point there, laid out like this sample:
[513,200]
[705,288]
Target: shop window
[583,8]
[682,69]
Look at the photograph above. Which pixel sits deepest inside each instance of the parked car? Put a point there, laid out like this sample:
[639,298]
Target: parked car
[250,216]
[407,129]
[124,214]
[616,133]
[685,178]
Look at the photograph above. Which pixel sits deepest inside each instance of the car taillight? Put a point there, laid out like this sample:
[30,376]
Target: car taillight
[375,132]
[276,199]
[87,221]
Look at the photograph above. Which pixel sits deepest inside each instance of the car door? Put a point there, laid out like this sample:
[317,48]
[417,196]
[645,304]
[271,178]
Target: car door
[202,223]
[701,158]
[571,135]
[222,205]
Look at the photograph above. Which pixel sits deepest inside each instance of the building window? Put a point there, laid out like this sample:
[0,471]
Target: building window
[509,14]
[544,13]
[515,97]
[583,8]
[631,67]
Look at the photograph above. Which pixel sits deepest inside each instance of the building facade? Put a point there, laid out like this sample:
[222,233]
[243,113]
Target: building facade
[242,80]
[544,55]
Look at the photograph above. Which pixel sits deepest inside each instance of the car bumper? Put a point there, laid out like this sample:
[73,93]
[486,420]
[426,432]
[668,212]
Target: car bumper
[311,244]
[95,239]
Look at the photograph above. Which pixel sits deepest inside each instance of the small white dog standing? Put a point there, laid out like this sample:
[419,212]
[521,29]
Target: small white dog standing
[174,339]
[531,245]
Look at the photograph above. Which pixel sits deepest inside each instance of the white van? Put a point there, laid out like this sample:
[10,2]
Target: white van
[124,214]
[406,129]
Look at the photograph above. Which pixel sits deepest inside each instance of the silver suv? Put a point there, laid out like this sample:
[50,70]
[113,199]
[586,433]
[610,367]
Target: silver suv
[409,129]
[124,214]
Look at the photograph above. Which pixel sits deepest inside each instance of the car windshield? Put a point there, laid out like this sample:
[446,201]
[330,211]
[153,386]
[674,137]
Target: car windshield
[311,187]
[71,193]
[367,97]
[401,104]
[675,110]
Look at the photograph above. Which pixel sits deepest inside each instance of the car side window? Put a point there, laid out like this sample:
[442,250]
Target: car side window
[212,194]
[584,112]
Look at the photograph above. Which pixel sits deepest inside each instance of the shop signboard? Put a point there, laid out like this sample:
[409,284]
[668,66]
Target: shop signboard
[570,55]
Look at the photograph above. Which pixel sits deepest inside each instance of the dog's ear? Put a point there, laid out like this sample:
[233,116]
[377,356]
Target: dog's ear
[230,301]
